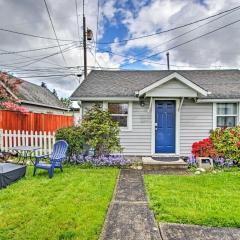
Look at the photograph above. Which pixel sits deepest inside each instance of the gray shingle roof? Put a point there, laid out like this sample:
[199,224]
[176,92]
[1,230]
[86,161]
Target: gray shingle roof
[39,95]
[101,83]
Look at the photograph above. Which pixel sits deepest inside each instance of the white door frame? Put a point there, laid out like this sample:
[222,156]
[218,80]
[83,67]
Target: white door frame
[177,128]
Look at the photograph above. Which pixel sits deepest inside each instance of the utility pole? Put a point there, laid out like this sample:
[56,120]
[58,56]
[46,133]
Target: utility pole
[84,44]
[168,64]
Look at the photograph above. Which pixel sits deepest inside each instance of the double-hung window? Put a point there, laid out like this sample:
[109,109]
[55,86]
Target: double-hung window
[226,115]
[121,113]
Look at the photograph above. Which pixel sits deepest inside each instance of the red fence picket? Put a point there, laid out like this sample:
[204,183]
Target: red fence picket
[11,120]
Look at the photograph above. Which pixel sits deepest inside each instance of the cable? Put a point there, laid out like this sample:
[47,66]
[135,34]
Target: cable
[7,52]
[184,43]
[78,27]
[171,29]
[95,58]
[35,36]
[185,33]
[96,40]
[50,18]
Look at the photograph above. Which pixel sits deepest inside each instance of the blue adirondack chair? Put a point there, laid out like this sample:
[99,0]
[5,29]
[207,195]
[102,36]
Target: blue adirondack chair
[58,155]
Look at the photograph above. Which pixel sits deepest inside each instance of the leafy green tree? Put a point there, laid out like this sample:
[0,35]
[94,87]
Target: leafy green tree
[66,102]
[100,131]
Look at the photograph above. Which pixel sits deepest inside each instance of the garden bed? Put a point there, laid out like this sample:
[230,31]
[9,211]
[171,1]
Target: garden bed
[208,199]
[72,205]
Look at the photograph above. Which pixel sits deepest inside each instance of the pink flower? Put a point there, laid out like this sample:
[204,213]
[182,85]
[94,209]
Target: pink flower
[13,106]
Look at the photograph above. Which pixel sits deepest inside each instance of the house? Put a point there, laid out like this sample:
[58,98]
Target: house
[161,113]
[38,99]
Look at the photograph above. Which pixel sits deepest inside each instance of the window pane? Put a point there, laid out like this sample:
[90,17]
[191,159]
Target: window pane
[122,120]
[226,109]
[118,108]
[226,121]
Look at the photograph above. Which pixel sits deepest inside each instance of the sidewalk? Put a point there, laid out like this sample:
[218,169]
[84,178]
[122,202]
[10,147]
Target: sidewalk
[129,217]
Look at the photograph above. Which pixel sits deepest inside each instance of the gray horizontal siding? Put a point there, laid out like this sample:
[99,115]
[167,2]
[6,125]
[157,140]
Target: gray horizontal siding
[138,141]
[195,123]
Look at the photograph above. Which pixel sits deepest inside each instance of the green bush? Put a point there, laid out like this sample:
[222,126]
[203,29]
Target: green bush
[100,131]
[73,136]
[227,142]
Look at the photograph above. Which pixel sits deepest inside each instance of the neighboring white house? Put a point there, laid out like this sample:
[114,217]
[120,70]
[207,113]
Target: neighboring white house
[161,113]
[38,99]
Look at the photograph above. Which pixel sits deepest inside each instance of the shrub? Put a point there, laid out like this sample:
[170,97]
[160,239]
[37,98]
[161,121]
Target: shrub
[111,160]
[73,136]
[204,148]
[227,142]
[101,132]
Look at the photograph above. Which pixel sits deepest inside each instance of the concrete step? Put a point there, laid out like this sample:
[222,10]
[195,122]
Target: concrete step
[165,164]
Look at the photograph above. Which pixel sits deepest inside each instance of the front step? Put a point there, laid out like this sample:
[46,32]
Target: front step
[164,164]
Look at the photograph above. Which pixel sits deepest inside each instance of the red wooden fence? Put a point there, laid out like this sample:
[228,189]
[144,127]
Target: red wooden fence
[10,120]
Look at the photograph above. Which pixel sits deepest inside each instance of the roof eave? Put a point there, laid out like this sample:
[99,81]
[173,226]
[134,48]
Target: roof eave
[43,105]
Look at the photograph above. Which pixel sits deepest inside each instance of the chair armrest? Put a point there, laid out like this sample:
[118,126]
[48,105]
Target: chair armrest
[40,157]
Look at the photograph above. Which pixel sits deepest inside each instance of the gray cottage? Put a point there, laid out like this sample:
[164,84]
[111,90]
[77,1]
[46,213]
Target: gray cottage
[161,113]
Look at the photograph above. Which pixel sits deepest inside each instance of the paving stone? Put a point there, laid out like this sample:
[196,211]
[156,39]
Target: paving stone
[129,217]
[189,232]
[131,222]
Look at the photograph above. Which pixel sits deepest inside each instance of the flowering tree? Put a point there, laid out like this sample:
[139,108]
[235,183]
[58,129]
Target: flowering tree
[8,90]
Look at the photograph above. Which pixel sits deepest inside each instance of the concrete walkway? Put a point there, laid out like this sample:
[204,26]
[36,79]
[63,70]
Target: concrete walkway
[129,217]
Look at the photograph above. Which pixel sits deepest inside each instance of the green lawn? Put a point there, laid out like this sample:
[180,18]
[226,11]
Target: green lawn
[72,205]
[209,199]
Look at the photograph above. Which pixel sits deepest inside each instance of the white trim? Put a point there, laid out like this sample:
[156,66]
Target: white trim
[214,125]
[104,99]
[177,129]
[215,100]
[178,77]
[129,117]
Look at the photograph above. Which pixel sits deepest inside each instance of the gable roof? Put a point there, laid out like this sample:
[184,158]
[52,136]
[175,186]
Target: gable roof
[33,94]
[169,78]
[102,83]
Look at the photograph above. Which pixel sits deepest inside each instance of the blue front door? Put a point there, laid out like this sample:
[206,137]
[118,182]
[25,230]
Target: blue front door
[165,122]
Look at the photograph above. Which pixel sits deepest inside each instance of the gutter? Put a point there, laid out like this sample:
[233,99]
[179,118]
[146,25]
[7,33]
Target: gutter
[217,100]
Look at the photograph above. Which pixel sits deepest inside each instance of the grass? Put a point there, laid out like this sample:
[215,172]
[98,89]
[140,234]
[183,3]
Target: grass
[72,205]
[209,199]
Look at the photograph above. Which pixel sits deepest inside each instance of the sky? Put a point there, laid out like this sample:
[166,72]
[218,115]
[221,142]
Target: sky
[112,22]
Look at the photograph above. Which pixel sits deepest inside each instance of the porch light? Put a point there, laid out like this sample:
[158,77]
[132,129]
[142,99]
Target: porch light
[142,102]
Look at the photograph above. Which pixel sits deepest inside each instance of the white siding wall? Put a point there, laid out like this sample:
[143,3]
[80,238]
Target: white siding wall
[195,123]
[138,141]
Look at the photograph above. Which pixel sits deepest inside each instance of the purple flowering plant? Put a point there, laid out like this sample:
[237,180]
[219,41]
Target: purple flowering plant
[97,161]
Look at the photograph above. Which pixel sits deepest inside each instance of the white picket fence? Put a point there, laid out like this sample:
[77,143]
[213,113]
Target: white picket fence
[43,140]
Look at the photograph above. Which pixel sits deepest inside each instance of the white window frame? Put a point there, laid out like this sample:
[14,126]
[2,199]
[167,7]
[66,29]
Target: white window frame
[129,116]
[215,115]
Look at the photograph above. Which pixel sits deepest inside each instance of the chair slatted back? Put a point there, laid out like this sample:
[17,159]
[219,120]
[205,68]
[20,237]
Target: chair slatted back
[59,150]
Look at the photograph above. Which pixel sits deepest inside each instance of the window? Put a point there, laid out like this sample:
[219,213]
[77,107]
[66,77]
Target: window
[119,112]
[227,114]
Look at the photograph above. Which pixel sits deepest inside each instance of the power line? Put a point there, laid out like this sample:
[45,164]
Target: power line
[50,18]
[35,36]
[185,33]
[184,43]
[7,52]
[96,40]
[168,30]
[78,27]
